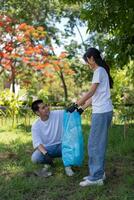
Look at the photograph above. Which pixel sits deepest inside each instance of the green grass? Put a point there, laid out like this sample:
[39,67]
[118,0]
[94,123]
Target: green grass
[18,183]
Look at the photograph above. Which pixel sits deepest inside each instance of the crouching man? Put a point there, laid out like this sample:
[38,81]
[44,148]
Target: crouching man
[47,132]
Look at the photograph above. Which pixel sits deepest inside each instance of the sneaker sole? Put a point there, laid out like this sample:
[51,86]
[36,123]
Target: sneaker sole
[91,184]
[86,177]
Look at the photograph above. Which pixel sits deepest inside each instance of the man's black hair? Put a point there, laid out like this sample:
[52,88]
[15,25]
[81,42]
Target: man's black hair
[35,105]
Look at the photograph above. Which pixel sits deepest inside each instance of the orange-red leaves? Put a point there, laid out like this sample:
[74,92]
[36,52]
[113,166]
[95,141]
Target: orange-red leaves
[26,59]
[22,26]
[63,54]
[1,23]
[8,29]
[40,28]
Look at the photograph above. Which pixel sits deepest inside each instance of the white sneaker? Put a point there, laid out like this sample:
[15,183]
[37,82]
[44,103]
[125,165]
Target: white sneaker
[69,171]
[43,173]
[46,167]
[103,178]
[88,182]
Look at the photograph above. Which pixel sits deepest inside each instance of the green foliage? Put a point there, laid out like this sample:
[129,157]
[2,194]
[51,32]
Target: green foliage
[110,24]
[9,100]
[11,103]
[114,20]
[122,92]
[13,111]
[44,13]
[43,94]
[120,81]
[82,74]
[22,9]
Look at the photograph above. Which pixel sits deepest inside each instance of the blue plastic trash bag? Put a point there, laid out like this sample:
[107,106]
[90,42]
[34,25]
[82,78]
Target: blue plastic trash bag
[72,141]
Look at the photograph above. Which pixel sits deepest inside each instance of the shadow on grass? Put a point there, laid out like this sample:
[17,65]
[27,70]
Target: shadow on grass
[2,130]
[16,153]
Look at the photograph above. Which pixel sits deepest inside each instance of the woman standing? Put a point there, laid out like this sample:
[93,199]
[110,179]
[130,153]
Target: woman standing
[99,97]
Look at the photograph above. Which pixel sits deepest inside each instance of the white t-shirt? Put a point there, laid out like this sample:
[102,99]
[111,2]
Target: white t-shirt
[101,101]
[48,132]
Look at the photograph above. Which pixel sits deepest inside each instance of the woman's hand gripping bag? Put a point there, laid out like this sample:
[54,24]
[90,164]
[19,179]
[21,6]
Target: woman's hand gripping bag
[72,141]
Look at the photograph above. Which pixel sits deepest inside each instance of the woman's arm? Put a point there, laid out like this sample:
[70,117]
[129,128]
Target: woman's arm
[88,95]
[80,103]
[81,109]
[87,104]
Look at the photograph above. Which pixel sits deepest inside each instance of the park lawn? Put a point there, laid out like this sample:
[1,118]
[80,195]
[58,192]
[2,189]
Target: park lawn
[17,181]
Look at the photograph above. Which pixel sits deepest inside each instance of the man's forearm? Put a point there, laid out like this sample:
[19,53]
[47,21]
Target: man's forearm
[42,149]
[48,158]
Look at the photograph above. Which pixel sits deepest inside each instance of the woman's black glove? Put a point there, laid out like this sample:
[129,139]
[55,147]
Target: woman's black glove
[80,110]
[72,108]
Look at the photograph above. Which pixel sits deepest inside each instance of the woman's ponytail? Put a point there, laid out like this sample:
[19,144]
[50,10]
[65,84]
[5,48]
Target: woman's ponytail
[107,68]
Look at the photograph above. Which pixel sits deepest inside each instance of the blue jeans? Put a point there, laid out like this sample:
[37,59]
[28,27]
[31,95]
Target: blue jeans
[54,151]
[97,144]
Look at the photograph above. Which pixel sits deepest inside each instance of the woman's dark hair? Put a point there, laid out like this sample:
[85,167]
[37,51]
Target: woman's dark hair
[35,105]
[98,59]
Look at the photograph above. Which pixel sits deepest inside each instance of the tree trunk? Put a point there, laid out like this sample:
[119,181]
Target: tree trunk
[64,85]
[13,85]
[61,76]
[13,78]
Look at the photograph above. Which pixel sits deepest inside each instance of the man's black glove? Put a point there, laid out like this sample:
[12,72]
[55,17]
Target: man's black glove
[72,108]
[80,110]
[48,159]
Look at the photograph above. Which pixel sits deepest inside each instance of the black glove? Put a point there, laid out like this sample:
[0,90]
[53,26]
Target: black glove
[48,159]
[72,108]
[80,110]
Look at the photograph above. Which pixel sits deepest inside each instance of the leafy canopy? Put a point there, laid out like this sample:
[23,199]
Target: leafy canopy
[114,20]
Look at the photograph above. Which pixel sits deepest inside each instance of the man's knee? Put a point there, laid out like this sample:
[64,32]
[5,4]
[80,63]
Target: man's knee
[37,157]
[34,159]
